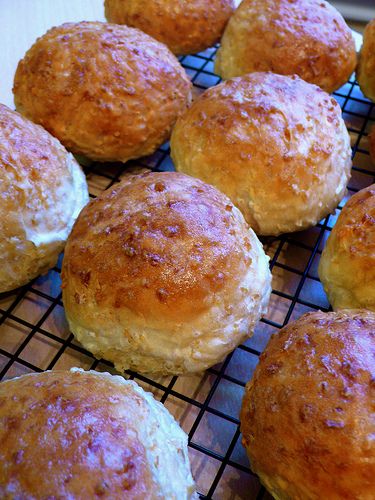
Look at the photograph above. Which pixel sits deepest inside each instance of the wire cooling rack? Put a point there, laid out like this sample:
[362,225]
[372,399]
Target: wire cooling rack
[34,335]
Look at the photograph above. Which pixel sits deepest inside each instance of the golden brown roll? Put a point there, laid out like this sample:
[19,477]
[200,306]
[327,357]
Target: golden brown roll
[76,434]
[366,64]
[308,38]
[347,264]
[307,416]
[162,274]
[185,27]
[109,92]
[276,145]
[42,190]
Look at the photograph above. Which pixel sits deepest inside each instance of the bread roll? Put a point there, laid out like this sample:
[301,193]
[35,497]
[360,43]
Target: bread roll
[88,435]
[42,190]
[276,145]
[109,92]
[307,416]
[347,264]
[185,27]
[308,38]
[161,274]
[366,63]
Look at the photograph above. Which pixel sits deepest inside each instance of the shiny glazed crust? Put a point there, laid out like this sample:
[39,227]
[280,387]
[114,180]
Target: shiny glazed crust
[347,265]
[81,435]
[366,64]
[162,274]
[42,190]
[109,92]
[308,38]
[308,417]
[185,27]
[276,145]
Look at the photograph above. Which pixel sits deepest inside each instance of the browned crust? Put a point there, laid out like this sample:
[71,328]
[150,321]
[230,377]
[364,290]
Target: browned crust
[66,434]
[276,145]
[32,167]
[42,189]
[185,27]
[161,245]
[366,63]
[347,266]
[308,414]
[106,91]
[304,37]
[355,227]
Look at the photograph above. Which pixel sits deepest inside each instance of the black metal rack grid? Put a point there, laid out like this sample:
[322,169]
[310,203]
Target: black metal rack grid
[34,335]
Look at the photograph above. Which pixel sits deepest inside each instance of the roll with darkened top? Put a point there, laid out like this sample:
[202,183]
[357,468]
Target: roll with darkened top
[308,38]
[109,92]
[366,65]
[184,26]
[77,434]
[347,264]
[307,418]
[162,274]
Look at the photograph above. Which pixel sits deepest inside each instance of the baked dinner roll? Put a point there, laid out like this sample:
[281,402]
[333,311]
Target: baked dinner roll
[76,434]
[366,64]
[347,264]
[276,145]
[308,38]
[42,190]
[185,27]
[109,92]
[162,274]
[307,416]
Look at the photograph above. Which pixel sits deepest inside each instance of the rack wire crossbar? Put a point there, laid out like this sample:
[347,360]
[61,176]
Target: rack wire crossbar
[34,335]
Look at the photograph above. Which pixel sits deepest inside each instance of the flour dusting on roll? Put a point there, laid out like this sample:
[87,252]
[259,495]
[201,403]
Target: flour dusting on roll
[42,191]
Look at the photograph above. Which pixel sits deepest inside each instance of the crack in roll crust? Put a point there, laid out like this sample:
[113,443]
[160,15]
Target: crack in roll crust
[42,190]
[276,145]
[109,92]
[347,265]
[308,38]
[307,416]
[185,27]
[93,436]
[366,64]
[162,274]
